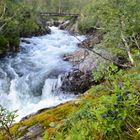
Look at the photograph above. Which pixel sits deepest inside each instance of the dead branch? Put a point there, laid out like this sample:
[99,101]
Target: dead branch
[113,61]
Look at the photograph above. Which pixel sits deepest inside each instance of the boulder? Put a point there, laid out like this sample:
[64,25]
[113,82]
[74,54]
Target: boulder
[76,81]
[85,62]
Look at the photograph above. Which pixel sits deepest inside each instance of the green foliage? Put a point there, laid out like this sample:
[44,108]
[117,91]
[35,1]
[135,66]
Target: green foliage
[3,43]
[118,20]
[7,118]
[45,137]
[104,73]
[108,116]
[18,18]
[87,23]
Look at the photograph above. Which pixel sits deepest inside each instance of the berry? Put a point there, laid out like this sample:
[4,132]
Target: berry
[114,112]
[135,93]
[119,97]
[127,92]
[126,97]
[104,115]
[109,112]
[115,104]
[120,117]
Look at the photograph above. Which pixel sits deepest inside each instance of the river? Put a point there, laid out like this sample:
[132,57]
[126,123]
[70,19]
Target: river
[31,79]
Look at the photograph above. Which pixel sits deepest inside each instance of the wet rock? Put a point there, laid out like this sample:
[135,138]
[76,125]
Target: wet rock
[76,81]
[57,23]
[47,30]
[64,25]
[25,41]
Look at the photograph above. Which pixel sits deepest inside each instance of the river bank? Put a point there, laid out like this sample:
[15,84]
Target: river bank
[51,123]
[92,107]
[32,79]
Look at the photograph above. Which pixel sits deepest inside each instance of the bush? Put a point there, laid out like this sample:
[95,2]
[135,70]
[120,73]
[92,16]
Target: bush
[7,118]
[108,116]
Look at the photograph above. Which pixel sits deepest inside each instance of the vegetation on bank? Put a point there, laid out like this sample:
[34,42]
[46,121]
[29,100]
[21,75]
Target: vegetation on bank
[110,110]
[17,19]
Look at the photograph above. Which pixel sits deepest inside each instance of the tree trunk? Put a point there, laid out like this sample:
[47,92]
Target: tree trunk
[127,48]
[59,10]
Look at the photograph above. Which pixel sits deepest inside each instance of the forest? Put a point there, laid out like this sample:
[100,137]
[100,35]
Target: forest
[108,107]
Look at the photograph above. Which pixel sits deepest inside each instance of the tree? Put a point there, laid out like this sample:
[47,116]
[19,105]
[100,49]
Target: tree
[7,118]
[119,19]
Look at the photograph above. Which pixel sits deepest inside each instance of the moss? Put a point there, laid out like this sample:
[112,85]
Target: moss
[45,118]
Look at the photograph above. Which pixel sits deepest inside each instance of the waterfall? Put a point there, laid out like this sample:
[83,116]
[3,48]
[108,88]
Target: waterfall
[31,79]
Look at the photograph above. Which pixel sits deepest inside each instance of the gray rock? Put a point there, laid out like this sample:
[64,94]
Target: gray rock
[21,128]
[33,133]
[85,61]
[76,57]
[63,25]
[93,60]
[76,82]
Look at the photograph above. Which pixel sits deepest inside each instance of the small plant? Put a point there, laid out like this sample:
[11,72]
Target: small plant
[99,73]
[7,118]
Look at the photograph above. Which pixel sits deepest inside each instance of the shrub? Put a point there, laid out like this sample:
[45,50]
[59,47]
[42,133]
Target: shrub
[7,118]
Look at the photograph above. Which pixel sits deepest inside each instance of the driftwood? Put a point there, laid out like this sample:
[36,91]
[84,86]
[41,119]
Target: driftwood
[59,14]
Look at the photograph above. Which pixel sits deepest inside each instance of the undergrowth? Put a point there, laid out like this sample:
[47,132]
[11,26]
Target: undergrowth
[110,111]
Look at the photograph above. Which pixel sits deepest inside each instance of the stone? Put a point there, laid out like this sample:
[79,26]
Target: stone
[33,133]
[76,82]
[63,25]
[85,61]
[77,56]
[21,128]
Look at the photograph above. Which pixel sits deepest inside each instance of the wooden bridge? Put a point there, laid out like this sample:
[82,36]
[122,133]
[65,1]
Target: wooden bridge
[60,14]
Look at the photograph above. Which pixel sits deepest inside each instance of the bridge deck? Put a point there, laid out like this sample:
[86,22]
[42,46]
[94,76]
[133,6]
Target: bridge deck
[59,14]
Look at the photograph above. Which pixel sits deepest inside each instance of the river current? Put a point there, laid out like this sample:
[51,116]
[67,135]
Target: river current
[30,80]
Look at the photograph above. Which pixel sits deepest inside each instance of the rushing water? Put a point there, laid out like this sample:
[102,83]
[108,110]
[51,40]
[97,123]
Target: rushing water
[31,80]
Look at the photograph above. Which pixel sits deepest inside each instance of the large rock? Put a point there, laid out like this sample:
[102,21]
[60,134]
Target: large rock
[85,62]
[76,81]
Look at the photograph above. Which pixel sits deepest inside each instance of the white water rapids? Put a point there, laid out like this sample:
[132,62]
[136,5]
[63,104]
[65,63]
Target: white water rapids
[30,80]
